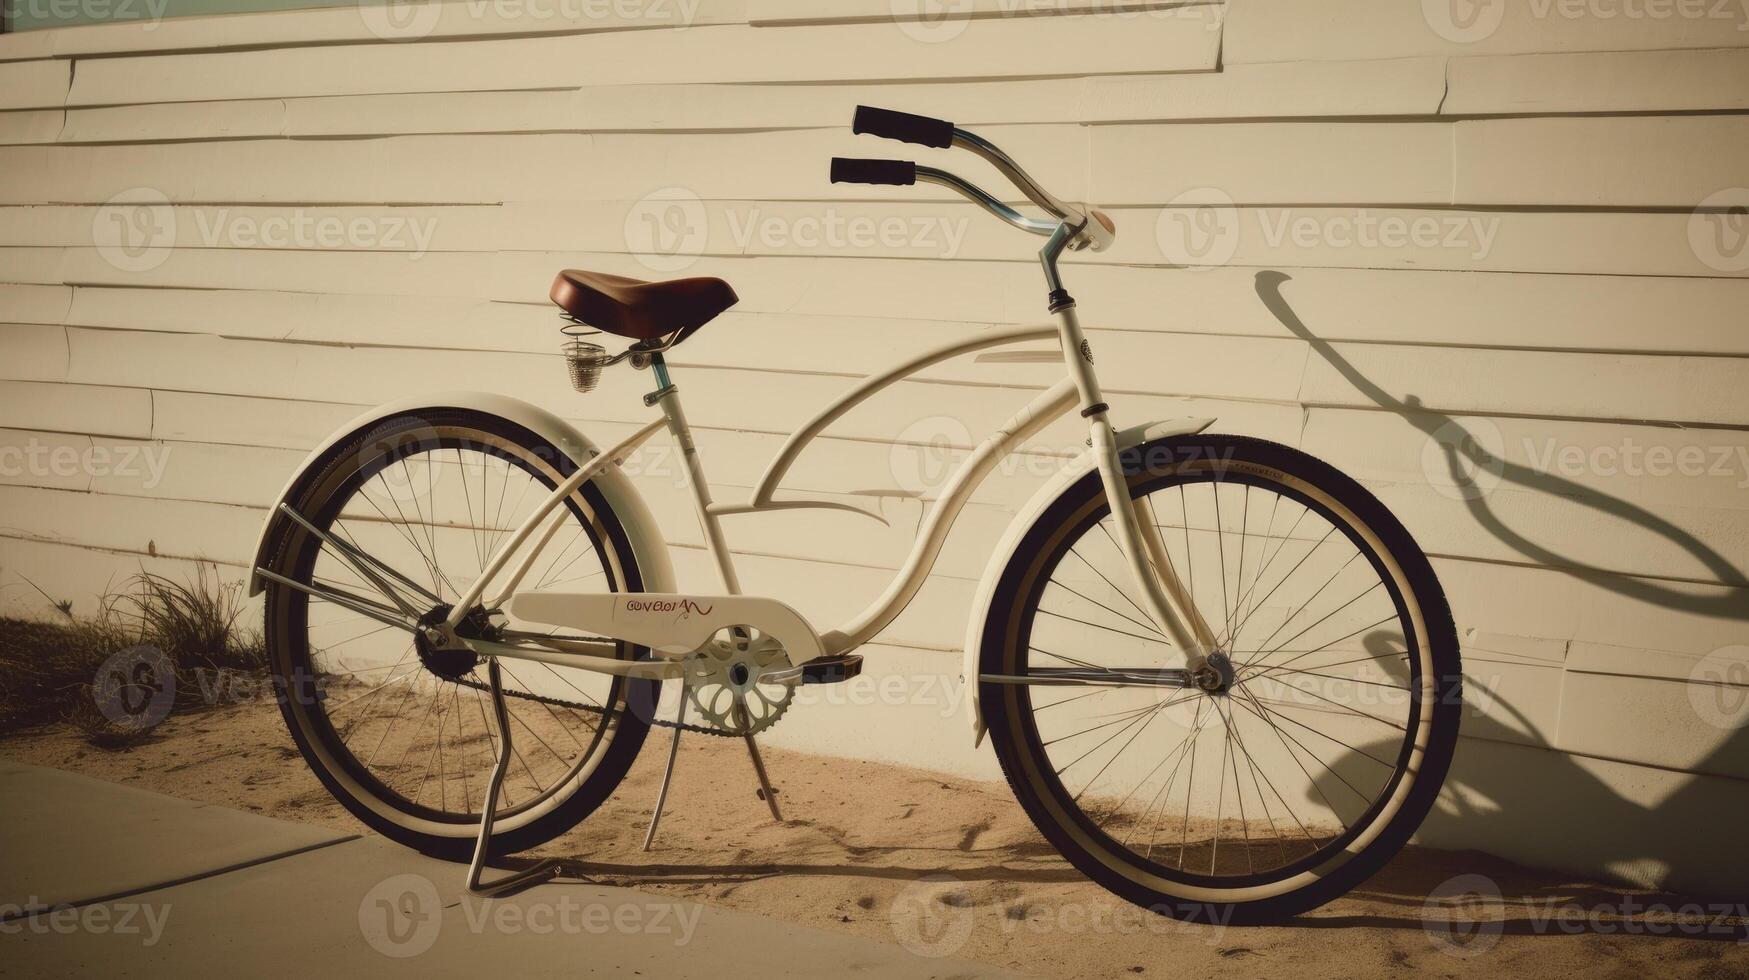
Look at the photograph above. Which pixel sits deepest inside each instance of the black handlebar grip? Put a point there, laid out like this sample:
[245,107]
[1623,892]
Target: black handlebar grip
[849,171]
[902,126]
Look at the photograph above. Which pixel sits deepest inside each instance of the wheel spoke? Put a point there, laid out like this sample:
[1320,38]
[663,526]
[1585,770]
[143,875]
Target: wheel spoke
[1257,799]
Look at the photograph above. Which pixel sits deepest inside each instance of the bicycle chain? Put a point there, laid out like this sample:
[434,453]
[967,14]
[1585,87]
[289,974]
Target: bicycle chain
[594,709]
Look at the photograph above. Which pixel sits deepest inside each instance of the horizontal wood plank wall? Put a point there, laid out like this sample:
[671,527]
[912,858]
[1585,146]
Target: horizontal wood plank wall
[1526,231]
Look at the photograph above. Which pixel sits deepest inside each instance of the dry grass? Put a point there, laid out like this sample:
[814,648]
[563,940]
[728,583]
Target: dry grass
[48,670]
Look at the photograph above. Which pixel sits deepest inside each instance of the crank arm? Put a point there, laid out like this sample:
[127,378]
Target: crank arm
[1086,677]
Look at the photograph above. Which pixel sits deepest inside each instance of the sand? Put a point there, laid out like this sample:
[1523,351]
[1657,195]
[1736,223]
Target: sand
[947,866]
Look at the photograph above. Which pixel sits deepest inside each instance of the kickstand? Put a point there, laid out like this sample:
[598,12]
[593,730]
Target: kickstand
[765,790]
[540,872]
[668,773]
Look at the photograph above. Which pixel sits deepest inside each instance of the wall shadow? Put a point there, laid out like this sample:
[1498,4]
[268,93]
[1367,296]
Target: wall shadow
[1508,791]
[1729,605]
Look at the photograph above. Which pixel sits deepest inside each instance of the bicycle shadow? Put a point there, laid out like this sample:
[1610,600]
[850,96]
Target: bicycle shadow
[1732,605]
[1489,795]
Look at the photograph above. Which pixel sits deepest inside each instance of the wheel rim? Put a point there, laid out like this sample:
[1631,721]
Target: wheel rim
[408,734]
[1277,797]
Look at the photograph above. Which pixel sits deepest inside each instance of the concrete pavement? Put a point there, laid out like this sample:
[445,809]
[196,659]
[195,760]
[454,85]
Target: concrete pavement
[132,883]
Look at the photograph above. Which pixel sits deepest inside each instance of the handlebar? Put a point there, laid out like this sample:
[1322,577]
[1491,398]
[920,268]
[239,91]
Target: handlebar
[846,170]
[1089,228]
[902,126]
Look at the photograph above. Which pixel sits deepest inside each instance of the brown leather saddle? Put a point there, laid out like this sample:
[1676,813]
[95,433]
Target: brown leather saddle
[641,310]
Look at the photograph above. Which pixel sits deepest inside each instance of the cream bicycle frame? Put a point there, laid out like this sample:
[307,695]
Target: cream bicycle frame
[1165,598]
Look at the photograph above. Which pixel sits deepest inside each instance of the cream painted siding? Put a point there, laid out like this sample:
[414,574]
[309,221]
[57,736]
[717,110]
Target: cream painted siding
[1437,232]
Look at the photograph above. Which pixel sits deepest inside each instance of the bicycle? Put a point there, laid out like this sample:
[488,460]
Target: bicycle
[1134,606]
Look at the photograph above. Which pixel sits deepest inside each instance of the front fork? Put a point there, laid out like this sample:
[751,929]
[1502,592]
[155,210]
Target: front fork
[1165,598]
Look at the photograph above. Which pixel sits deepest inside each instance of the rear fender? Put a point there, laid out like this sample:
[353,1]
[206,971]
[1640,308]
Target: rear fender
[647,544]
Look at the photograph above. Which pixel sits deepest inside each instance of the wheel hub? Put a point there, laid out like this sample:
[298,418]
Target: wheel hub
[451,663]
[1215,675]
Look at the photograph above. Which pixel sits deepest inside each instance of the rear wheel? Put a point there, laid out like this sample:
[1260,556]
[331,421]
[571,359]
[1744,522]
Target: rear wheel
[400,734]
[1296,779]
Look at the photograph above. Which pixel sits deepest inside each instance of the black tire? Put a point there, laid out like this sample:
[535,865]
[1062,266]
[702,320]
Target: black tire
[447,831]
[1430,654]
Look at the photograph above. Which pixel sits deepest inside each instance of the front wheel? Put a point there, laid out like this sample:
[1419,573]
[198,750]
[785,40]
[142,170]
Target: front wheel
[1302,774]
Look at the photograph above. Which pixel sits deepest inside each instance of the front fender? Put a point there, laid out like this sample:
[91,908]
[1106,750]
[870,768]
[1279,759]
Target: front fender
[1004,553]
[628,505]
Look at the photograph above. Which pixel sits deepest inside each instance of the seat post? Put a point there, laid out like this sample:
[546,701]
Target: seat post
[668,397]
[659,367]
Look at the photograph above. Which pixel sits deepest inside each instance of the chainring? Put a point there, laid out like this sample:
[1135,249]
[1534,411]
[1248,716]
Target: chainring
[740,682]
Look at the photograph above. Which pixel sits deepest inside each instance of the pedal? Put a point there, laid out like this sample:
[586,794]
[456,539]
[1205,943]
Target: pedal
[831,670]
